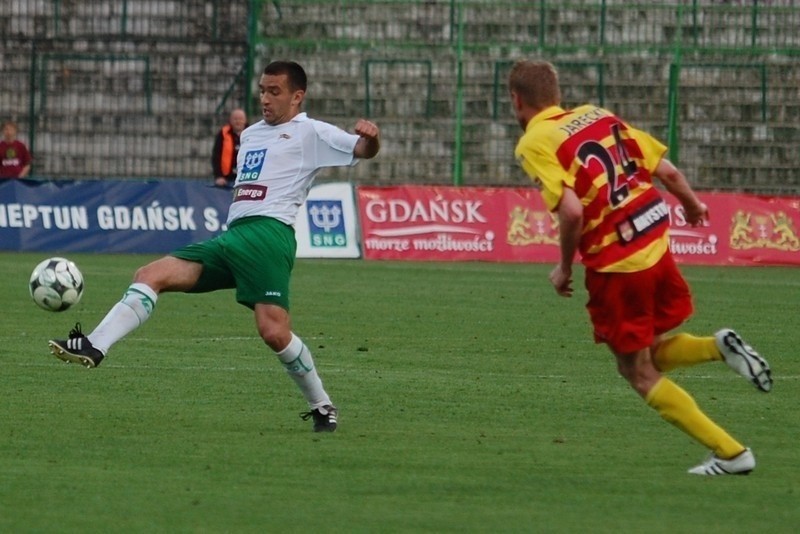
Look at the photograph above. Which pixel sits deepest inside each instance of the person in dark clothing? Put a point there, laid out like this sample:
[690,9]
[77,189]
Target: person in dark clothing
[15,159]
[226,148]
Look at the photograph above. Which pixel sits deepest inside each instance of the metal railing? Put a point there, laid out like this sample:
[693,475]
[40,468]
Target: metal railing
[676,68]
[708,77]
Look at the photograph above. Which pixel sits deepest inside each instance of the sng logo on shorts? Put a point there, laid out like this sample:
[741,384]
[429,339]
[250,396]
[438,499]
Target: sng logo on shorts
[253,161]
[326,223]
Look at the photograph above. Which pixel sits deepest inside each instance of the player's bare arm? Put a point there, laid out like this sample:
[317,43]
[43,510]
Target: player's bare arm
[677,184]
[370,143]
[570,220]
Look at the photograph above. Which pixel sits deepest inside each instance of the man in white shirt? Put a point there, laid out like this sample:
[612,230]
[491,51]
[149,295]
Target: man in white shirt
[278,160]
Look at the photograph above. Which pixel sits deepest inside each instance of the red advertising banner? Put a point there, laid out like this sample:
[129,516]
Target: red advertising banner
[742,230]
[440,223]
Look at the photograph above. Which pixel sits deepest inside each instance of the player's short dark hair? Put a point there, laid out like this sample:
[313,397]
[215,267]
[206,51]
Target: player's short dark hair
[295,74]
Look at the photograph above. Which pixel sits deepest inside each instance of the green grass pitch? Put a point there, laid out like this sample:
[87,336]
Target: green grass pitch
[471,398]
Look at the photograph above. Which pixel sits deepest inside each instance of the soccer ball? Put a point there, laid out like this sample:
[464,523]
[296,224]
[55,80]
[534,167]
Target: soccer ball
[56,284]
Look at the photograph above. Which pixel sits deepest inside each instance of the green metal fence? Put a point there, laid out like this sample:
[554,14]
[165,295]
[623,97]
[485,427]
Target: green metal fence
[716,80]
[122,88]
[137,88]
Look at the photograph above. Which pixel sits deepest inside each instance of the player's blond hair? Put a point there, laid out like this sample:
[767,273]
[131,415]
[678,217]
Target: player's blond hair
[536,83]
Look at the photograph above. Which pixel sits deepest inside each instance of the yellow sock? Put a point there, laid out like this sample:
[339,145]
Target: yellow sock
[676,406]
[682,350]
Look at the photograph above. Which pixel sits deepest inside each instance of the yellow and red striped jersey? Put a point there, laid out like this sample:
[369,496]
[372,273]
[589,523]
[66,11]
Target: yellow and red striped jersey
[609,165]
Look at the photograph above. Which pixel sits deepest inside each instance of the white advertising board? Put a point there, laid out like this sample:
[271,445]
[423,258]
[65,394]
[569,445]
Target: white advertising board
[327,224]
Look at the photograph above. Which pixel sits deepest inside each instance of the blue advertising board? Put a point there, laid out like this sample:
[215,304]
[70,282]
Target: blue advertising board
[109,216]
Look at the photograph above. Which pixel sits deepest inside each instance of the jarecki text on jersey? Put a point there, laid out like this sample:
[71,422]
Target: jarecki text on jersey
[584,120]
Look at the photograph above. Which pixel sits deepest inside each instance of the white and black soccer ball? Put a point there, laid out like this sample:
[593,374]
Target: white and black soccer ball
[56,284]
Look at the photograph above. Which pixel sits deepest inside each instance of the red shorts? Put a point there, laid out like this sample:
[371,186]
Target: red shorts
[629,309]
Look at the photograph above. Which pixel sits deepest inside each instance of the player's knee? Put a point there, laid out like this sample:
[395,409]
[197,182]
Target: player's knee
[627,372]
[169,274]
[274,326]
[640,373]
[640,384]
[150,274]
[276,337]
[140,276]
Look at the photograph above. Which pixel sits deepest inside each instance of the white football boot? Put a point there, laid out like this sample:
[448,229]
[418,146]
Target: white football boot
[738,465]
[743,359]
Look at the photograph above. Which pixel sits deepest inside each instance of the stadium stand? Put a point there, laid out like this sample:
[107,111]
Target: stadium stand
[135,88]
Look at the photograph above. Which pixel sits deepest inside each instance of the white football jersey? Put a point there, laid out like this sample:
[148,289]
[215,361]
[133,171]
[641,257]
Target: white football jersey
[277,165]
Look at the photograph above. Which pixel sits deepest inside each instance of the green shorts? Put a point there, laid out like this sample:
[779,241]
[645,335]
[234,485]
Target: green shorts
[255,256]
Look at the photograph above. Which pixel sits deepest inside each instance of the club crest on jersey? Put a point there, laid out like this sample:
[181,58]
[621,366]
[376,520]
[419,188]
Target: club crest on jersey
[253,162]
[643,220]
[626,231]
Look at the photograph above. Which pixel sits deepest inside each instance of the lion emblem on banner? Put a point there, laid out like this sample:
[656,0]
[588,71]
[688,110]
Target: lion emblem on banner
[528,227]
[773,230]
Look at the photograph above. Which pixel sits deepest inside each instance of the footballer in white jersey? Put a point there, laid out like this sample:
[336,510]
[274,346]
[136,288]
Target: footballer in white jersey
[278,159]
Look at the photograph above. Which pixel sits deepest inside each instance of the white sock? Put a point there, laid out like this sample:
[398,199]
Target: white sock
[297,360]
[127,315]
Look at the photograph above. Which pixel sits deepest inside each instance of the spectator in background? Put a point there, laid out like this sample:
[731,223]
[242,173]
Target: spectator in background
[226,149]
[15,160]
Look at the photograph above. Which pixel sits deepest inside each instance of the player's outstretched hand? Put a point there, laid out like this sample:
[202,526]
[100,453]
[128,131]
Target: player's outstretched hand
[562,280]
[696,214]
[367,129]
